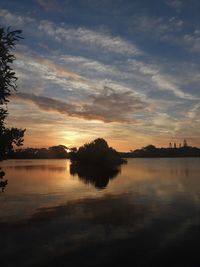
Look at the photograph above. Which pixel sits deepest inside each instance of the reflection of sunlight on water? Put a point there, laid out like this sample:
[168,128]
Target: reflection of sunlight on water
[68,165]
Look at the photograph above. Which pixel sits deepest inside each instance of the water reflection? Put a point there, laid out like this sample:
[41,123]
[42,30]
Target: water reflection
[148,216]
[38,167]
[98,176]
[110,231]
[3,182]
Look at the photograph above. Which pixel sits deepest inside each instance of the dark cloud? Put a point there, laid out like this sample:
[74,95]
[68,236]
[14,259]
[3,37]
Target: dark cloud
[113,106]
[107,106]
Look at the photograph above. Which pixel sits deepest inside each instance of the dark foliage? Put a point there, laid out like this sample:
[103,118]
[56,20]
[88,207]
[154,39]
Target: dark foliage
[8,79]
[3,182]
[96,163]
[8,136]
[54,152]
[151,151]
[97,153]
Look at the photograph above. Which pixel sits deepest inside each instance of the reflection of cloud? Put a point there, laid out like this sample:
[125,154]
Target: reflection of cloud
[107,106]
[107,229]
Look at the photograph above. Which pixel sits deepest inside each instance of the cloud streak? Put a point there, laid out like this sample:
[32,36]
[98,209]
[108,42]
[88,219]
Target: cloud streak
[107,106]
[69,36]
[91,38]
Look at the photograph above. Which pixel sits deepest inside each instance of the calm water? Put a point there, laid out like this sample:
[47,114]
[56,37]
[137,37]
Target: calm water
[146,214]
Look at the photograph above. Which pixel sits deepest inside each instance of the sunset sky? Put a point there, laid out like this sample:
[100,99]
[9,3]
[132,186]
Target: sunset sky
[124,70]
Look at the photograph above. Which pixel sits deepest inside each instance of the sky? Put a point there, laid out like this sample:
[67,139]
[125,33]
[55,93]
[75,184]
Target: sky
[123,70]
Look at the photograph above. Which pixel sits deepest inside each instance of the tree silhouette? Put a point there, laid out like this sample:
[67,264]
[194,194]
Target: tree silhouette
[97,152]
[96,163]
[8,136]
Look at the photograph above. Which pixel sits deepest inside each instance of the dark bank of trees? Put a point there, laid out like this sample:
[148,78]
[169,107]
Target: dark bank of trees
[151,151]
[99,153]
[54,152]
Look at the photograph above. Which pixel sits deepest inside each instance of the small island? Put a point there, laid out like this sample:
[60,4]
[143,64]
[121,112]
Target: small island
[97,152]
[96,163]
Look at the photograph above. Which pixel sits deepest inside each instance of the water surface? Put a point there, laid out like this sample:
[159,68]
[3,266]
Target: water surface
[146,214]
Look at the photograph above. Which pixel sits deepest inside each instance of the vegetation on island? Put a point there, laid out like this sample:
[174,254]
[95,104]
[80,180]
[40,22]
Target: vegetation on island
[96,152]
[96,163]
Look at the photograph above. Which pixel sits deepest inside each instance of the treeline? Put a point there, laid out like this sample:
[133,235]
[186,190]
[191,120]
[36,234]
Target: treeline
[151,151]
[54,152]
[99,151]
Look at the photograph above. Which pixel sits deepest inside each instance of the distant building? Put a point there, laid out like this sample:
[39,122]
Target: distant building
[185,143]
[174,145]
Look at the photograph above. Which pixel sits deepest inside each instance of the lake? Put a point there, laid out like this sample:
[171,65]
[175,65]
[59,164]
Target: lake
[145,214]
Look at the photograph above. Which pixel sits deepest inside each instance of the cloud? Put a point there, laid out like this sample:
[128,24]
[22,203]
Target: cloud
[81,37]
[158,78]
[113,106]
[164,83]
[192,41]
[107,106]
[194,112]
[91,38]
[10,19]
[49,5]
[60,71]
[176,4]
[157,27]
[37,73]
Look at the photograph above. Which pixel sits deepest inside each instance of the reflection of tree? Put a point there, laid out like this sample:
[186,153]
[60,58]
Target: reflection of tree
[3,182]
[93,174]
